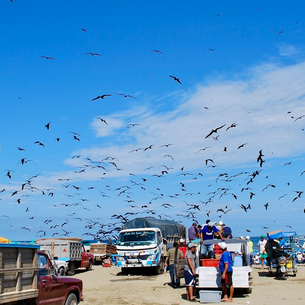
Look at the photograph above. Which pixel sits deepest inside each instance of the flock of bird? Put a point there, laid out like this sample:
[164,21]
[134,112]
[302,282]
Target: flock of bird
[73,197]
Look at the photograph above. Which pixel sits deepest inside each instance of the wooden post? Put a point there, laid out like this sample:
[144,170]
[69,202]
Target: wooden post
[19,266]
[35,264]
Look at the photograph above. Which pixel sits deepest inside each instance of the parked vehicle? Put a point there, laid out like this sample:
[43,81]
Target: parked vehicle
[101,251]
[208,272]
[70,250]
[142,243]
[281,259]
[29,277]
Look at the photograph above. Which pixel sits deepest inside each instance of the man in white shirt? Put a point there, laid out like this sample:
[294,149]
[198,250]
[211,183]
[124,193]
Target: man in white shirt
[262,250]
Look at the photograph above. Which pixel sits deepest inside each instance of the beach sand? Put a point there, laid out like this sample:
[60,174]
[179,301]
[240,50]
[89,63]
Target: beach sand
[109,286]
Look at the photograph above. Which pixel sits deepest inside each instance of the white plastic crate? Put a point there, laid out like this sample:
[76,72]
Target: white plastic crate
[210,296]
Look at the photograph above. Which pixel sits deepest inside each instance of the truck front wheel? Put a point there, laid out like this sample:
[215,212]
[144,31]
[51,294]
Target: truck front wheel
[90,266]
[61,272]
[71,299]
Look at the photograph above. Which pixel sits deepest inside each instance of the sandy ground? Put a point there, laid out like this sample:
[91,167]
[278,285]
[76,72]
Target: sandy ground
[109,286]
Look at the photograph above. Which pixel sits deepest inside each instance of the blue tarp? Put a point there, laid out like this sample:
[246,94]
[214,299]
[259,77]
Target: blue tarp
[278,234]
[167,227]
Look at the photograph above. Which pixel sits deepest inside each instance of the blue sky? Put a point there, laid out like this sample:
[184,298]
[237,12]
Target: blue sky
[240,63]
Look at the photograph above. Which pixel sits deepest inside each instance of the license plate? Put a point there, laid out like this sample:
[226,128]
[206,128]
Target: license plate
[132,261]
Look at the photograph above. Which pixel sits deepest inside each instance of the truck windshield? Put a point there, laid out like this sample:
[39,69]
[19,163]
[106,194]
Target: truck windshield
[137,238]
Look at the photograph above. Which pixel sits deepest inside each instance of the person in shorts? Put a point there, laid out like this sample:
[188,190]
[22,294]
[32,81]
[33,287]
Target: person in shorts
[262,250]
[190,271]
[225,266]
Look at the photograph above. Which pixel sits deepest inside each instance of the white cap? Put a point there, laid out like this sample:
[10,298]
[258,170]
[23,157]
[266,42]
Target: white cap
[247,237]
[220,223]
[222,245]
[211,224]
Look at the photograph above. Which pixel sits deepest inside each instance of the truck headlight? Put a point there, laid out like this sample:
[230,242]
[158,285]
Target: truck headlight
[152,257]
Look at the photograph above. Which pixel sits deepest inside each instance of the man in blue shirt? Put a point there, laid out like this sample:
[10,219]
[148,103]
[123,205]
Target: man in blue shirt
[207,233]
[225,266]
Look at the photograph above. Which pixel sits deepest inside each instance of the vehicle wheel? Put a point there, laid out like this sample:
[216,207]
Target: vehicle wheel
[61,272]
[90,266]
[71,268]
[248,290]
[157,270]
[71,299]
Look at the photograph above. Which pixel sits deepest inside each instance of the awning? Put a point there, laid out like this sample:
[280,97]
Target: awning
[4,240]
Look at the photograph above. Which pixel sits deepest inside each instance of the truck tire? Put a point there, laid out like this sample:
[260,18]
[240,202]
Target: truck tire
[71,299]
[61,272]
[89,268]
[71,270]
[157,270]
[248,290]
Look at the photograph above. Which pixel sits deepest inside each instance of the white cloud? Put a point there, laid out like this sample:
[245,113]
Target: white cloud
[258,104]
[288,50]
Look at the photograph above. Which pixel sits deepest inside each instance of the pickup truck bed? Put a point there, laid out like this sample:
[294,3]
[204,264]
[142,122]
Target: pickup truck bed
[18,272]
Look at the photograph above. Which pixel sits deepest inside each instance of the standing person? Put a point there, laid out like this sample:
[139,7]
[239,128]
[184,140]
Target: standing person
[207,233]
[225,266]
[262,250]
[199,230]
[226,232]
[193,231]
[190,271]
[250,250]
[170,262]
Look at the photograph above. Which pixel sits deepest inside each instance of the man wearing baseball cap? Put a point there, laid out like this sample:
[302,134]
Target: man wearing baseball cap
[207,233]
[190,271]
[225,266]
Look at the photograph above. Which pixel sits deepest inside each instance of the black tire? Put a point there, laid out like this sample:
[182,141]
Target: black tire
[89,268]
[157,270]
[248,290]
[61,272]
[71,268]
[71,299]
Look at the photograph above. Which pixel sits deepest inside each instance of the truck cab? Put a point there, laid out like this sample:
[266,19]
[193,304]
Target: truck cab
[53,289]
[141,247]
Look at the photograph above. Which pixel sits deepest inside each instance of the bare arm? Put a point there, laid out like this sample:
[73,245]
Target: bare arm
[223,276]
[189,261]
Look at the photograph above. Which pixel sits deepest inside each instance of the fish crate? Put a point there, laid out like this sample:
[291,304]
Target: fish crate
[210,296]
[209,262]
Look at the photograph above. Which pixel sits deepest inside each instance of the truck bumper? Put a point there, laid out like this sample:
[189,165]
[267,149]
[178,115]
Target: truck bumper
[136,264]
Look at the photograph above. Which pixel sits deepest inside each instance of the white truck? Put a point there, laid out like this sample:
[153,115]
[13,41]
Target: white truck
[70,250]
[142,244]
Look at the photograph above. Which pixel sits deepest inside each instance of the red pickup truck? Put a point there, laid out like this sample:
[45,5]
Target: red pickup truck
[29,277]
[56,290]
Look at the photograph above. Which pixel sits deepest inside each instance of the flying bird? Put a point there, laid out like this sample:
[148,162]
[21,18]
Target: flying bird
[101,96]
[157,51]
[215,130]
[48,125]
[125,95]
[47,57]
[102,120]
[84,30]
[176,79]
[93,54]
[38,142]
